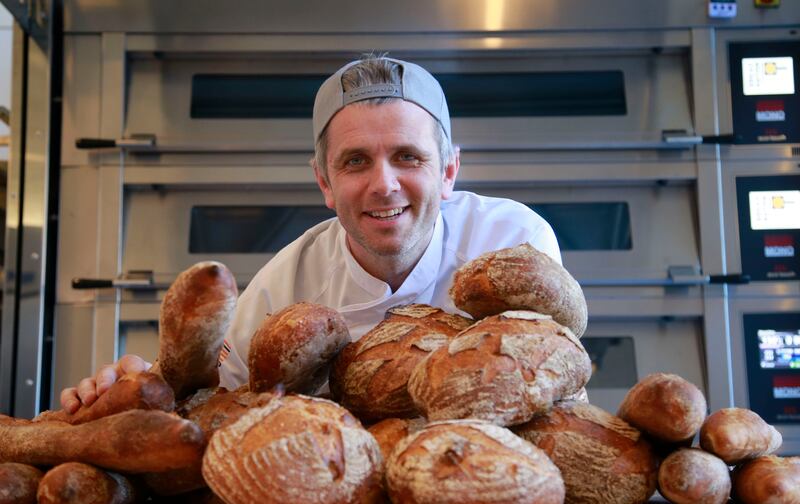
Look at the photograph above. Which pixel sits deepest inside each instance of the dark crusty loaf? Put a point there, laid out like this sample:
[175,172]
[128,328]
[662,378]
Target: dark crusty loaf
[738,434]
[504,369]
[519,278]
[296,347]
[370,376]
[692,476]
[294,449]
[665,407]
[469,461]
[768,480]
[195,314]
[76,483]
[18,483]
[602,459]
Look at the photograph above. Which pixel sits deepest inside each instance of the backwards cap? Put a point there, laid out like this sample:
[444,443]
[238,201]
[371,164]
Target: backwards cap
[417,86]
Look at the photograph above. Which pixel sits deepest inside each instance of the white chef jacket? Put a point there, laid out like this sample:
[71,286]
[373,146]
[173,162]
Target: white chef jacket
[318,267]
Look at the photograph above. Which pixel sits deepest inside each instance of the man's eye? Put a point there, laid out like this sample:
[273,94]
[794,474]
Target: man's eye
[355,161]
[407,157]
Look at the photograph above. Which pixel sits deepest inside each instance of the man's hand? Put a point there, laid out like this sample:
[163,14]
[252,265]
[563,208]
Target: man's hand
[89,389]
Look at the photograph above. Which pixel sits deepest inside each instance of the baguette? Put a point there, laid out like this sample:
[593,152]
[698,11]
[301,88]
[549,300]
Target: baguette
[147,391]
[18,483]
[692,476]
[737,434]
[134,441]
[195,315]
[768,480]
[77,483]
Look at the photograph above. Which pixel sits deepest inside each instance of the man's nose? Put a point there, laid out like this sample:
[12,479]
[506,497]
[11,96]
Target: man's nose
[384,178]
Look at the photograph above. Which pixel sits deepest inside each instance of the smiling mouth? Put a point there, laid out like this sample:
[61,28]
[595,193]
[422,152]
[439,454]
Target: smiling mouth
[387,214]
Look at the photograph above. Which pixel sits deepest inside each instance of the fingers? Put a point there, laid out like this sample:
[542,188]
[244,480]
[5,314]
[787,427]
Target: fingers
[106,377]
[87,391]
[132,364]
[70,400]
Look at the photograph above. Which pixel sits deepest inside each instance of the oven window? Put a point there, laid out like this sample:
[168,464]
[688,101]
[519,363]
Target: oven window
[531,94]
[254,96]
[250,229]
[588,226]
[613,361]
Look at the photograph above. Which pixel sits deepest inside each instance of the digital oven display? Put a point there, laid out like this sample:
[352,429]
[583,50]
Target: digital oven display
[779,349]
[771,210]
[768,76]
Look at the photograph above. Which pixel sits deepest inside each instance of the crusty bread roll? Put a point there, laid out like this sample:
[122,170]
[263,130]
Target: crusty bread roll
[602,459]
[370,376]
[738,434]
[470,461]
[18,483]
[768,480]
[390,431]
[504,369]
[195,315]
[210,409]
[76,483]
[296,347]
[294,449]
[519,278]
[692,476]
[665,407]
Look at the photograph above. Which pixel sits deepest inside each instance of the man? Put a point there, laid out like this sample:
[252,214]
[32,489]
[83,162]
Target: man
[385,163]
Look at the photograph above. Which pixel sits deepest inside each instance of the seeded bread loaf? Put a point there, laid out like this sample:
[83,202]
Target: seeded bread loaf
[504,369]
[370,376]
[295,347]
[195,314]
[602,458]
[665,407]
[294,449]
[738,434]
[76,483]
[519,278]
[693,476]
[18,483]
[469,461]
[768,480]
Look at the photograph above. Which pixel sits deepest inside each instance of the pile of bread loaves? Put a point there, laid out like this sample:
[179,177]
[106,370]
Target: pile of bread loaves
[490,410]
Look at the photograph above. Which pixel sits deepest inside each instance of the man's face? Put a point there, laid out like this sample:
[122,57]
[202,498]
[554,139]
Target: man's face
[385,180]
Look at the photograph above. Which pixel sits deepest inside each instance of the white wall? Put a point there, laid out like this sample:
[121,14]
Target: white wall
[6,23]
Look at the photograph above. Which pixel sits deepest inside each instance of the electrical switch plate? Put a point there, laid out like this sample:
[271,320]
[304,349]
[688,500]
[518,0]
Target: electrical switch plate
[722,8]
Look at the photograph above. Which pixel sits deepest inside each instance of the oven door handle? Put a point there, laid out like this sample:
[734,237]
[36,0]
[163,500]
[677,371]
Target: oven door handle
[133,280]
[139,142]
[677,276]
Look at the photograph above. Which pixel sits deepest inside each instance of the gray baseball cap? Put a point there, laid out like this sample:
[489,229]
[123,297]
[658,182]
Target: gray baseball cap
[417,86]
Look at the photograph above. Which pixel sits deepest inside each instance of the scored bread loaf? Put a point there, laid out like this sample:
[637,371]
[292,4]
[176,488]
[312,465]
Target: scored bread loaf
[77,483]
[664,406]
[738,434]
[370,376]
[18,483]
[692,476]
[768,480]
[504,369]
[519,278]
[470,461]
[390,431]
[295,347]
[294,449]
[195,314]
[602,458]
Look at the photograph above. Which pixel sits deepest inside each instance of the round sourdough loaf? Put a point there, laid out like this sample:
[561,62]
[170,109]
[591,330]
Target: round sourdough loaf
[18,483]
[768,480]
[665,407]
[504,369]
[195,314]
[77,483]
[519,278]
[370,376]
[390,431]
[602,459]
[469,461]
[738,434]
[294,449]
[692,476]
[295,347]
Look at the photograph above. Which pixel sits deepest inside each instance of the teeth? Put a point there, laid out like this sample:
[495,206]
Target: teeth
[387,213]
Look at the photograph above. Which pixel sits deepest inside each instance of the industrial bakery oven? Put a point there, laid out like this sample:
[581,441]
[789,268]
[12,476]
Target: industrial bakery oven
[761,185]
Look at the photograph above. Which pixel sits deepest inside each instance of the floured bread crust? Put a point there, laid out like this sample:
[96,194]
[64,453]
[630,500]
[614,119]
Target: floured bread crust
[768,480]
[294,449]
[738,434]
[504,369]
[295,347]
[519,278]
[370,376]
[469,461]
[692,476]
[602,459]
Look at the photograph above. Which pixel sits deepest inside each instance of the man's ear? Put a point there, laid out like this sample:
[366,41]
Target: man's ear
[450,173]
[324,185]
